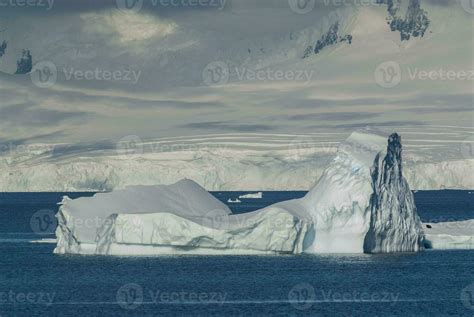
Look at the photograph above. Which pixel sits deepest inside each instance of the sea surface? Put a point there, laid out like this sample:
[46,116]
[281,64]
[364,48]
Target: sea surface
[34,282]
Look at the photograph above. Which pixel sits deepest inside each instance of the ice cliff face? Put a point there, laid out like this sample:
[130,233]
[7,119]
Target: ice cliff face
[361,204]
[394,223]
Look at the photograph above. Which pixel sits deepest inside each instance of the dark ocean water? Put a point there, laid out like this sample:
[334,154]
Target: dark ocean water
[34,282]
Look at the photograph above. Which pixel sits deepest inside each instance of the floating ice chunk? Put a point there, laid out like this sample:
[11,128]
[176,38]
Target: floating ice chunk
[258,195]
[449,235]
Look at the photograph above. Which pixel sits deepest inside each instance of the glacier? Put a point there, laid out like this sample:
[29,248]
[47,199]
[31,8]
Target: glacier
[225,162]
[361,203]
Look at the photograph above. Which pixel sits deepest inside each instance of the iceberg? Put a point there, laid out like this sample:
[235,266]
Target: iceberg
[361,203]
[449,235]
[258,195]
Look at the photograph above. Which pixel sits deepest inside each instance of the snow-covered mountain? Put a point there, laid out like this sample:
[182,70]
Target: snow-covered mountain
[204,80]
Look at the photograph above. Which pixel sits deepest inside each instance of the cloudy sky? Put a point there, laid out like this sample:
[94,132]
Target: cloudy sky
[187,67]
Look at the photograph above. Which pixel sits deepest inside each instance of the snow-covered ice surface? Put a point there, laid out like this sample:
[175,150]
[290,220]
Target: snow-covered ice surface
[449,235]
[434,158]
[348,210]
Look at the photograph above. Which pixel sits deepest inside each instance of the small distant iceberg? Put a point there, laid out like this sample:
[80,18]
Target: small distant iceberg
[449,235]
[258,195]
[361,204]
[236,201]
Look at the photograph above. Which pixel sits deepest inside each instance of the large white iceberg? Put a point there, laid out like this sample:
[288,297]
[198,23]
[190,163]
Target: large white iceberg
[361,203]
